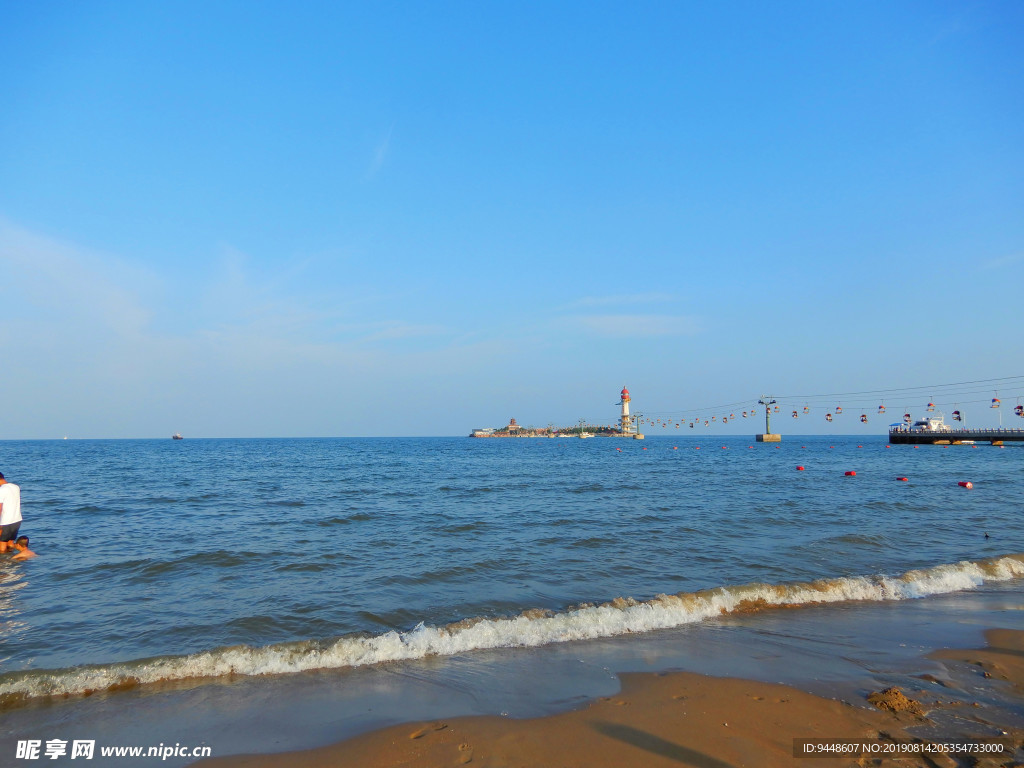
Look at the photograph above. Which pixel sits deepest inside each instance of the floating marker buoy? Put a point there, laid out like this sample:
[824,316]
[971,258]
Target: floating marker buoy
[698,447]
[675,447]
[851,473]
[965,484]
[645,447]
[902,479]
[799,469]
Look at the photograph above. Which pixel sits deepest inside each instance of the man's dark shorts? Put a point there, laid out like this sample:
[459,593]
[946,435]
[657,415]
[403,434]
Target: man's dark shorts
[9,532]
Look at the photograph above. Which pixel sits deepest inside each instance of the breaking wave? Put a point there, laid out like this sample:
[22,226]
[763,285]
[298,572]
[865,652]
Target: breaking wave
[532,628]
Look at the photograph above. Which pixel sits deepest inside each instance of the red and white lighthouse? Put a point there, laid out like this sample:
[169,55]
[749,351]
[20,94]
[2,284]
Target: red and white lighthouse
[625,423]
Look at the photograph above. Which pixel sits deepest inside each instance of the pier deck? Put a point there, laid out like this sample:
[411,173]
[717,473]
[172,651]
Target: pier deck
[997,436]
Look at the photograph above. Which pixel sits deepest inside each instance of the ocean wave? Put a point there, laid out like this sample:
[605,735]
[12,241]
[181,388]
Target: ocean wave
[530,629]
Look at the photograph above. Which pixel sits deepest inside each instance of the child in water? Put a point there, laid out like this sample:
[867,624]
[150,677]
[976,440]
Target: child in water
[24,553]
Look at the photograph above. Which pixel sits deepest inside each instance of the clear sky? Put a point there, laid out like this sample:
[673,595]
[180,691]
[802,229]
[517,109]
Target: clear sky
[350,218]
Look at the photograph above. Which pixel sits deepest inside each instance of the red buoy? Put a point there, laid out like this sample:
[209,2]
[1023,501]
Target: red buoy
[851,473]
[965,484]
[800,469]
[902,479]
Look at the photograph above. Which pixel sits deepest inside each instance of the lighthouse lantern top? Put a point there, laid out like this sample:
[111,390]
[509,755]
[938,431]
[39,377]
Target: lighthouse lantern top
[625,393]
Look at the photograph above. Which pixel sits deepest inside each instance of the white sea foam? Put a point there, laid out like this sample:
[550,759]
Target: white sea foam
[533,628]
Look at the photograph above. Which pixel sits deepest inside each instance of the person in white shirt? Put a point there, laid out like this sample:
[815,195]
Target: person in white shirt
[10,513]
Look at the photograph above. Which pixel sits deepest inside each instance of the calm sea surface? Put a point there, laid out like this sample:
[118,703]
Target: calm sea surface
[276,555]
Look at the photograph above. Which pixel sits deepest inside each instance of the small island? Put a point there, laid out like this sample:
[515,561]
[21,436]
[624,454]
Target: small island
[627,426]
[512,429]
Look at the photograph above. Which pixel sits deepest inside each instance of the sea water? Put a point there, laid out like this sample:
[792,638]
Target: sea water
[170,560]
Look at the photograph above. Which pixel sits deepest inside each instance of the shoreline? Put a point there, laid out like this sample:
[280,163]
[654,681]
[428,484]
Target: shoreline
[838,651]
[673,718]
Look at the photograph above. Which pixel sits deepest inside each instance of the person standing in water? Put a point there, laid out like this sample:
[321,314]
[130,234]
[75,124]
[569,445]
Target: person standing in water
[10,513]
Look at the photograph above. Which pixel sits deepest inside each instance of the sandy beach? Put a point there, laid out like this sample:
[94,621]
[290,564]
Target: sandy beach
[683,718]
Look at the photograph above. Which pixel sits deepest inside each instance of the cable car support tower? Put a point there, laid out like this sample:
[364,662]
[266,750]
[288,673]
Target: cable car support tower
[767,401]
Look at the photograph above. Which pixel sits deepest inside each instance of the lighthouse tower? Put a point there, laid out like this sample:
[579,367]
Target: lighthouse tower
[625,423]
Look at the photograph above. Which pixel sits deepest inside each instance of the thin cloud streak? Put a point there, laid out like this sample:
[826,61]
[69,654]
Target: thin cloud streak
[380,154]
[638,326]
[622,300]
[1005,261]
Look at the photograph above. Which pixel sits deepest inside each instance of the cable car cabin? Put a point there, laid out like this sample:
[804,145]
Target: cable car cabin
[881,409]
[863,418]
[828,417]
[839,409]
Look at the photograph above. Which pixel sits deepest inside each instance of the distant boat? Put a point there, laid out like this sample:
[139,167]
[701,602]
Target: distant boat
[177,436]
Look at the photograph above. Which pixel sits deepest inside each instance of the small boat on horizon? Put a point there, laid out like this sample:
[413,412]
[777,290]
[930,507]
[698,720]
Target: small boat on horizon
[177,436]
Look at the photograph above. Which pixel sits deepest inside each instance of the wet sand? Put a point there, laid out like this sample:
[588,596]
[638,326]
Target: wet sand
[683,718]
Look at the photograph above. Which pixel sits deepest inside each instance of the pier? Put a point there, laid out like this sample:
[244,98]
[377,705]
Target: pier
[997,436]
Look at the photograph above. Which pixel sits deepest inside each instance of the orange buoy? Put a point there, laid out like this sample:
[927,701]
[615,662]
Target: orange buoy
[965,484]
[851,473]
[902,479]
[799,469]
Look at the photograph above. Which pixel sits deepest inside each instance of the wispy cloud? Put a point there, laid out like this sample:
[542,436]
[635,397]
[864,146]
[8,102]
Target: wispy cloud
[380,154]
[70,281]
[637,326]
[620,300]
[1004,261]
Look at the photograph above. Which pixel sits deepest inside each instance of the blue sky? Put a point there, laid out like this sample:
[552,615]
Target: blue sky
[280,219]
